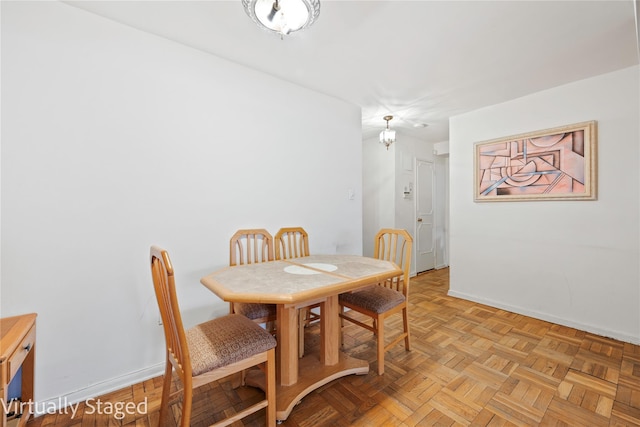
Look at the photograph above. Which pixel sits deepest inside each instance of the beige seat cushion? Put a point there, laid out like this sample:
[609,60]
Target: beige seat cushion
[255,311]
[225,340]
[377,299]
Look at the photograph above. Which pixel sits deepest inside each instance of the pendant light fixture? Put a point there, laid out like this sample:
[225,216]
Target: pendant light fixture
[282,16]
[387,136]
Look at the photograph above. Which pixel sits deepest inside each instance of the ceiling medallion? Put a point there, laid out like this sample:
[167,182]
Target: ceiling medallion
[282,16]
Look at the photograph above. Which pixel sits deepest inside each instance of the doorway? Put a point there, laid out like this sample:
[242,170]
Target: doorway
[425,218]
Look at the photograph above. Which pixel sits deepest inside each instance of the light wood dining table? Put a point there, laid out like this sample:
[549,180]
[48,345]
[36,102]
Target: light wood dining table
[292,284]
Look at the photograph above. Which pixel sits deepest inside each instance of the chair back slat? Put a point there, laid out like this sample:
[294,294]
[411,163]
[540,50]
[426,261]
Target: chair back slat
[395,245]
[165,290]
[291,242]
[250,246]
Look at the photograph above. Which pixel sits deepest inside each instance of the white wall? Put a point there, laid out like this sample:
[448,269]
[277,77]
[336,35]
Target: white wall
[378,190]
[441,159]
[114,140]
[571,262]
[441,232]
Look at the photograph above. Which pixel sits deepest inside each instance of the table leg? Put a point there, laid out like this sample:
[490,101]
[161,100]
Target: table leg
[298,377]
[329,331]
[287,349]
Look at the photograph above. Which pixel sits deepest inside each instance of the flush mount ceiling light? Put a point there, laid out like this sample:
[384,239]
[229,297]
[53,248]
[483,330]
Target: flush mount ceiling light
[387,136]
[283,16]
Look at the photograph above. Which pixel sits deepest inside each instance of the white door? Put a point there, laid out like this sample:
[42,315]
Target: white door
[424,246]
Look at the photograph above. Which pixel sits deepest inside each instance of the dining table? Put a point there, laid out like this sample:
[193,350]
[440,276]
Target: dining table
[292,284]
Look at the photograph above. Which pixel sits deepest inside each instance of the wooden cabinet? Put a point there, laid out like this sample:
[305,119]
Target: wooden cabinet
[17,349]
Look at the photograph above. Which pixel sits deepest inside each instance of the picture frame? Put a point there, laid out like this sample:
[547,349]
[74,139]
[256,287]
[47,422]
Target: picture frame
[551,164]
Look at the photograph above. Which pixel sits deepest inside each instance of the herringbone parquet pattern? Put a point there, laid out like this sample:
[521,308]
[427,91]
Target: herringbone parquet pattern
[471,365]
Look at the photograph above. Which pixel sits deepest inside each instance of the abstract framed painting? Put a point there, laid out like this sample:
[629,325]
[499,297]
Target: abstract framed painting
[551,164]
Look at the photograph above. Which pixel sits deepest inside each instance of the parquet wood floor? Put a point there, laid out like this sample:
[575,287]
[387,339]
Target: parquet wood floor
[470,365]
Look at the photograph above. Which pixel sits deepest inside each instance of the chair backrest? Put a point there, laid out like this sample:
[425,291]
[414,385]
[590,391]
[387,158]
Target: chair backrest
[291,242]
[250,246]
[165,289]
[395,245]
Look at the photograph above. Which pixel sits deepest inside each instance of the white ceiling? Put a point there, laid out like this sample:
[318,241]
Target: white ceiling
[421,61]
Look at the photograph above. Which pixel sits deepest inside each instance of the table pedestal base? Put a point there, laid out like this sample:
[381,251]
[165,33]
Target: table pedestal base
[312,375]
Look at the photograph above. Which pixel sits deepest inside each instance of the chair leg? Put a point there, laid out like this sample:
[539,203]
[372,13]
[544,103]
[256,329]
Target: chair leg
[302,320]
[270,326]
[237,380]
[270,386]
[405,321]
[186,406]
[341,326]
[380,333]
[166,392]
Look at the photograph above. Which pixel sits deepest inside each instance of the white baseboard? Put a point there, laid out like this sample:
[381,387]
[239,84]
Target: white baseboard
[99,389]
[549,318]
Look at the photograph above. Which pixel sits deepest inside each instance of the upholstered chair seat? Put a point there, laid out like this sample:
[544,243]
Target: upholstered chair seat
[255,311]
[226,340]
[377,299]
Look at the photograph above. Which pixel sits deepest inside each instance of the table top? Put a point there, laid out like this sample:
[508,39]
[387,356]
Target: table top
[297,280]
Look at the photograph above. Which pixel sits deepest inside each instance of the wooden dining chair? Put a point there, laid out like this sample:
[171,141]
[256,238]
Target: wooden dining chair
[293,242]
[209,351]
[249,246]
[387,298]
